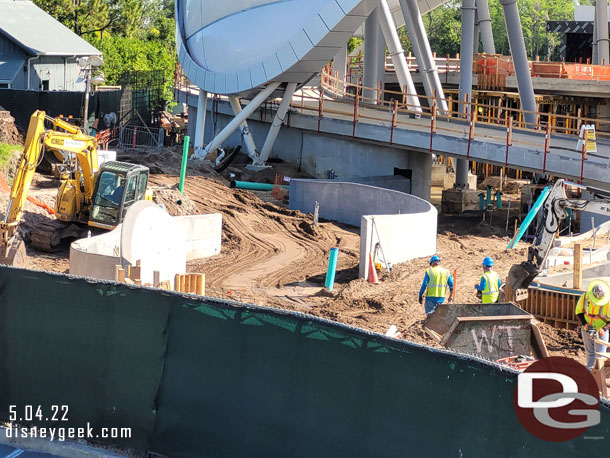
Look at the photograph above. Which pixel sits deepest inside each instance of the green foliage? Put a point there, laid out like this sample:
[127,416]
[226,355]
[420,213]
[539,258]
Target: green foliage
[124,54]
[353,43]
[132,34]
[444,26]
[6,151]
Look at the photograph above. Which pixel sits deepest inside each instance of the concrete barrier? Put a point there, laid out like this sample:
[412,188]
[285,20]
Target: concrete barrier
[402,224]
[149,235]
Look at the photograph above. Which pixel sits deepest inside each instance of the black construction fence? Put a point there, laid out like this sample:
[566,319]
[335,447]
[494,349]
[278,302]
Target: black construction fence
[138,100]
[200,377]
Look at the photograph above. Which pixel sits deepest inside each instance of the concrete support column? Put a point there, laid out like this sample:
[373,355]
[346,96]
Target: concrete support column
[475,35]
[398,56]
[594,55]
[202,106]
[371,56]
[522,69]
[340,65]
[238,119]
[601,18]
[245,130]
[191,127]
[461,173]
[423,53]
[278,120]
[466,58]
[421,180]
[484,21]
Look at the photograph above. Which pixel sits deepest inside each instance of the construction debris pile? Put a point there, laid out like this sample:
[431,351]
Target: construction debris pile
[8,130]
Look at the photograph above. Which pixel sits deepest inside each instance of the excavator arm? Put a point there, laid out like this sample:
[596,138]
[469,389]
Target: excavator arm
[73,140]
[554,211]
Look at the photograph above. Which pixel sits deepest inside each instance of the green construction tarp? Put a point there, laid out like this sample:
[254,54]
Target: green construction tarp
[208,378]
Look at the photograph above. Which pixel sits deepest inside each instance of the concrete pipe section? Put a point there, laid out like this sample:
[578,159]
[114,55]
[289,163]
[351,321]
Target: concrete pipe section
[403,225]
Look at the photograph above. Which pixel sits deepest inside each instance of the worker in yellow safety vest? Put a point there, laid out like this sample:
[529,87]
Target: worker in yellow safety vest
[489,285]
[593,312]
[435,284]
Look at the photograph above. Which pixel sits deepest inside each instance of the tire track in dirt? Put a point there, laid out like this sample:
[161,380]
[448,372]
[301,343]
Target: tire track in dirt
[264,246]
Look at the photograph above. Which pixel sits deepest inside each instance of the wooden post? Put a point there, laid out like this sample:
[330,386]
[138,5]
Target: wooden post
[156,278]
[136,272]
[577,281]
[119,273]
[200,285]
[182,283]
[177,282]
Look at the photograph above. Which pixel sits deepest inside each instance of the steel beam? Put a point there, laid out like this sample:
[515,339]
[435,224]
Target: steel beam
[520,61]
[371,56]
[388,27]
[484,21]
[238,119]
[340,64]
[466,58]
[245,130]
[423,53]
[276,124]
[202,106]
[601,18]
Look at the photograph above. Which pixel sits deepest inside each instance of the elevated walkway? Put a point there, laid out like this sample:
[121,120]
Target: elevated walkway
[550,147]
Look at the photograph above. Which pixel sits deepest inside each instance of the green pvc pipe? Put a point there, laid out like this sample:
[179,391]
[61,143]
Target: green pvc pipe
[255,186]
[185,154]
[481,201]
[488,199]
[499,200]
[332,269]
[530,216]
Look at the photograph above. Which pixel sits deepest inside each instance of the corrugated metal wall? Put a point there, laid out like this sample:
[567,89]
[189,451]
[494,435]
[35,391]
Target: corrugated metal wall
[60,73]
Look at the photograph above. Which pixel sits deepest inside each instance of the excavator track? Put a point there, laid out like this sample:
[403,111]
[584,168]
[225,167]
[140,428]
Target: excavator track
[48,236]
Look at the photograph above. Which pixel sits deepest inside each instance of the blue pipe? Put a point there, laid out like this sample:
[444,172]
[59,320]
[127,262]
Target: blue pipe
[332,269]
[488,199]
[481,201]
[530,216]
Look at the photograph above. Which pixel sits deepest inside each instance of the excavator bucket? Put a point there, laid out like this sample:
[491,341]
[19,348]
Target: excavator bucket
[520,276]
[13,254]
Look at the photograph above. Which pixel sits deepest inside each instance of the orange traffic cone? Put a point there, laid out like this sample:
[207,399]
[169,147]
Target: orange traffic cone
[372,271]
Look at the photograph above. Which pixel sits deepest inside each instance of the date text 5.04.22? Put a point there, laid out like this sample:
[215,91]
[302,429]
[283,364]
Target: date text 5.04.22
[38,413]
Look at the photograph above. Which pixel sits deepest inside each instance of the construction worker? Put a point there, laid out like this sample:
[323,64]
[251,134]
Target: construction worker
[593,312]
[435,285]
[490,283]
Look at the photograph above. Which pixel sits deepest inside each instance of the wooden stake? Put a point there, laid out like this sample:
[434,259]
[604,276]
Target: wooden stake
[119,273]
[200,288]
[177,282]
[156,278]
[577,281]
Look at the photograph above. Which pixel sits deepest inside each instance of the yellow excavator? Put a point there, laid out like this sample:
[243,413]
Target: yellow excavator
[88,194]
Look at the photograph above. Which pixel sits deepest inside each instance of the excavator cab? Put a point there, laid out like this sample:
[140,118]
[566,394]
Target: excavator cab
[118,186]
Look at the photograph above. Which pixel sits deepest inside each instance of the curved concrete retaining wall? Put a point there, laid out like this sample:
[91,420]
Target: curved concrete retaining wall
[405,225]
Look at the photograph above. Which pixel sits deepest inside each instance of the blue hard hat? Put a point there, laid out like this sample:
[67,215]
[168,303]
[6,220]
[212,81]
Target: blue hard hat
[488,262]
[435,258]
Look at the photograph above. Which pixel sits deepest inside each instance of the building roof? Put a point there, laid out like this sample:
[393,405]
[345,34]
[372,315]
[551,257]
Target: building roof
[38,32]
[9,66]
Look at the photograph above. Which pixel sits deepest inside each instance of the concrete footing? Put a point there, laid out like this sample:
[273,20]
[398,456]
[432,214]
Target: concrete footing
[455,201]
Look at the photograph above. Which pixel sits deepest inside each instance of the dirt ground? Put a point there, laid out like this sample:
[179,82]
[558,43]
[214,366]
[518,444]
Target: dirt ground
[276,257]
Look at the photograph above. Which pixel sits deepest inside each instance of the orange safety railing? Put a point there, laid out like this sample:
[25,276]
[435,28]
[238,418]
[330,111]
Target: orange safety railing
[353,101]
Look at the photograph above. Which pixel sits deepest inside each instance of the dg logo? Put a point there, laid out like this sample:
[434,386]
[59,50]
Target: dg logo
[557,399]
